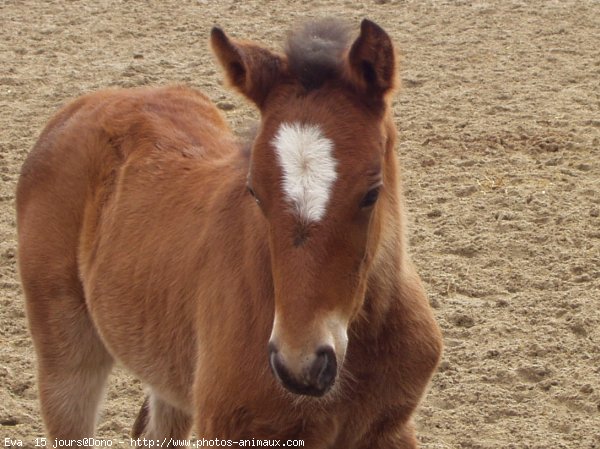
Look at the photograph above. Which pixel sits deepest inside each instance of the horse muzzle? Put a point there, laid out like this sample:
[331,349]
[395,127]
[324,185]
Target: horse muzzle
[314,377]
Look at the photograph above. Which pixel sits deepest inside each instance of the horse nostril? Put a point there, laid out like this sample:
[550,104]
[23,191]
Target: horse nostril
[272,349]
[273,360]
[324,368]
[281,372]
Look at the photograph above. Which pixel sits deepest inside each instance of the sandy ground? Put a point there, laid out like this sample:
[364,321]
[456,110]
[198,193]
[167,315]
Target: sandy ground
[499,118]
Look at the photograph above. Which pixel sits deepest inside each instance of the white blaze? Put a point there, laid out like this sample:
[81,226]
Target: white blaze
[306,158]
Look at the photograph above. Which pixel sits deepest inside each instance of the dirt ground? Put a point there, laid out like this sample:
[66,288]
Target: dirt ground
[499,120]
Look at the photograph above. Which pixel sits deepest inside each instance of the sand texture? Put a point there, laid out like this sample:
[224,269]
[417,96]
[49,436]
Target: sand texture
[499,121]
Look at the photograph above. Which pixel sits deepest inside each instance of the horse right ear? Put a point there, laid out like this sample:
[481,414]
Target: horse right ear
[251,69]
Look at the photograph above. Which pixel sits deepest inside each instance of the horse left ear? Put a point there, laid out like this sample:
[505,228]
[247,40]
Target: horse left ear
[372,60]
[251,69]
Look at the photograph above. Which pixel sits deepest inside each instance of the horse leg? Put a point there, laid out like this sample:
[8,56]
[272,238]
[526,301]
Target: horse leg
[391,434]
[72,361]
[140,423]
[159,420]
[406,438]
[73,366]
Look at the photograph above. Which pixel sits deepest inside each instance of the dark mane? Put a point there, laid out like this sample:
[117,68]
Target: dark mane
[315,50]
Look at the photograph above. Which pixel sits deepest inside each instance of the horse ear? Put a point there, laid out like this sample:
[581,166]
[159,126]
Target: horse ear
[249,68]
[372,60]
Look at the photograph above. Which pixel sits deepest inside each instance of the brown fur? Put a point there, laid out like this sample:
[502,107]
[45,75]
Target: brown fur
[139,242]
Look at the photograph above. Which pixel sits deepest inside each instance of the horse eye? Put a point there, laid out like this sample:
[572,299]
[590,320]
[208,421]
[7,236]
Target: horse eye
[253,193]
[370,198]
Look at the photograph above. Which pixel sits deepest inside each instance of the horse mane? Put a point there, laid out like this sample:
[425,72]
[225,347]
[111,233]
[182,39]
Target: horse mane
[316,49]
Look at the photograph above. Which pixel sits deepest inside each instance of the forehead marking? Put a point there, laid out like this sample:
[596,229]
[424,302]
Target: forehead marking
[309,168]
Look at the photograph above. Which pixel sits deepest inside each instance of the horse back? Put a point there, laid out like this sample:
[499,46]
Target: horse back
[97,132]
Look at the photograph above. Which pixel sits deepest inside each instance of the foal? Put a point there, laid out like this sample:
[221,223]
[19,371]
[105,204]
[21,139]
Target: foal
[258,295]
